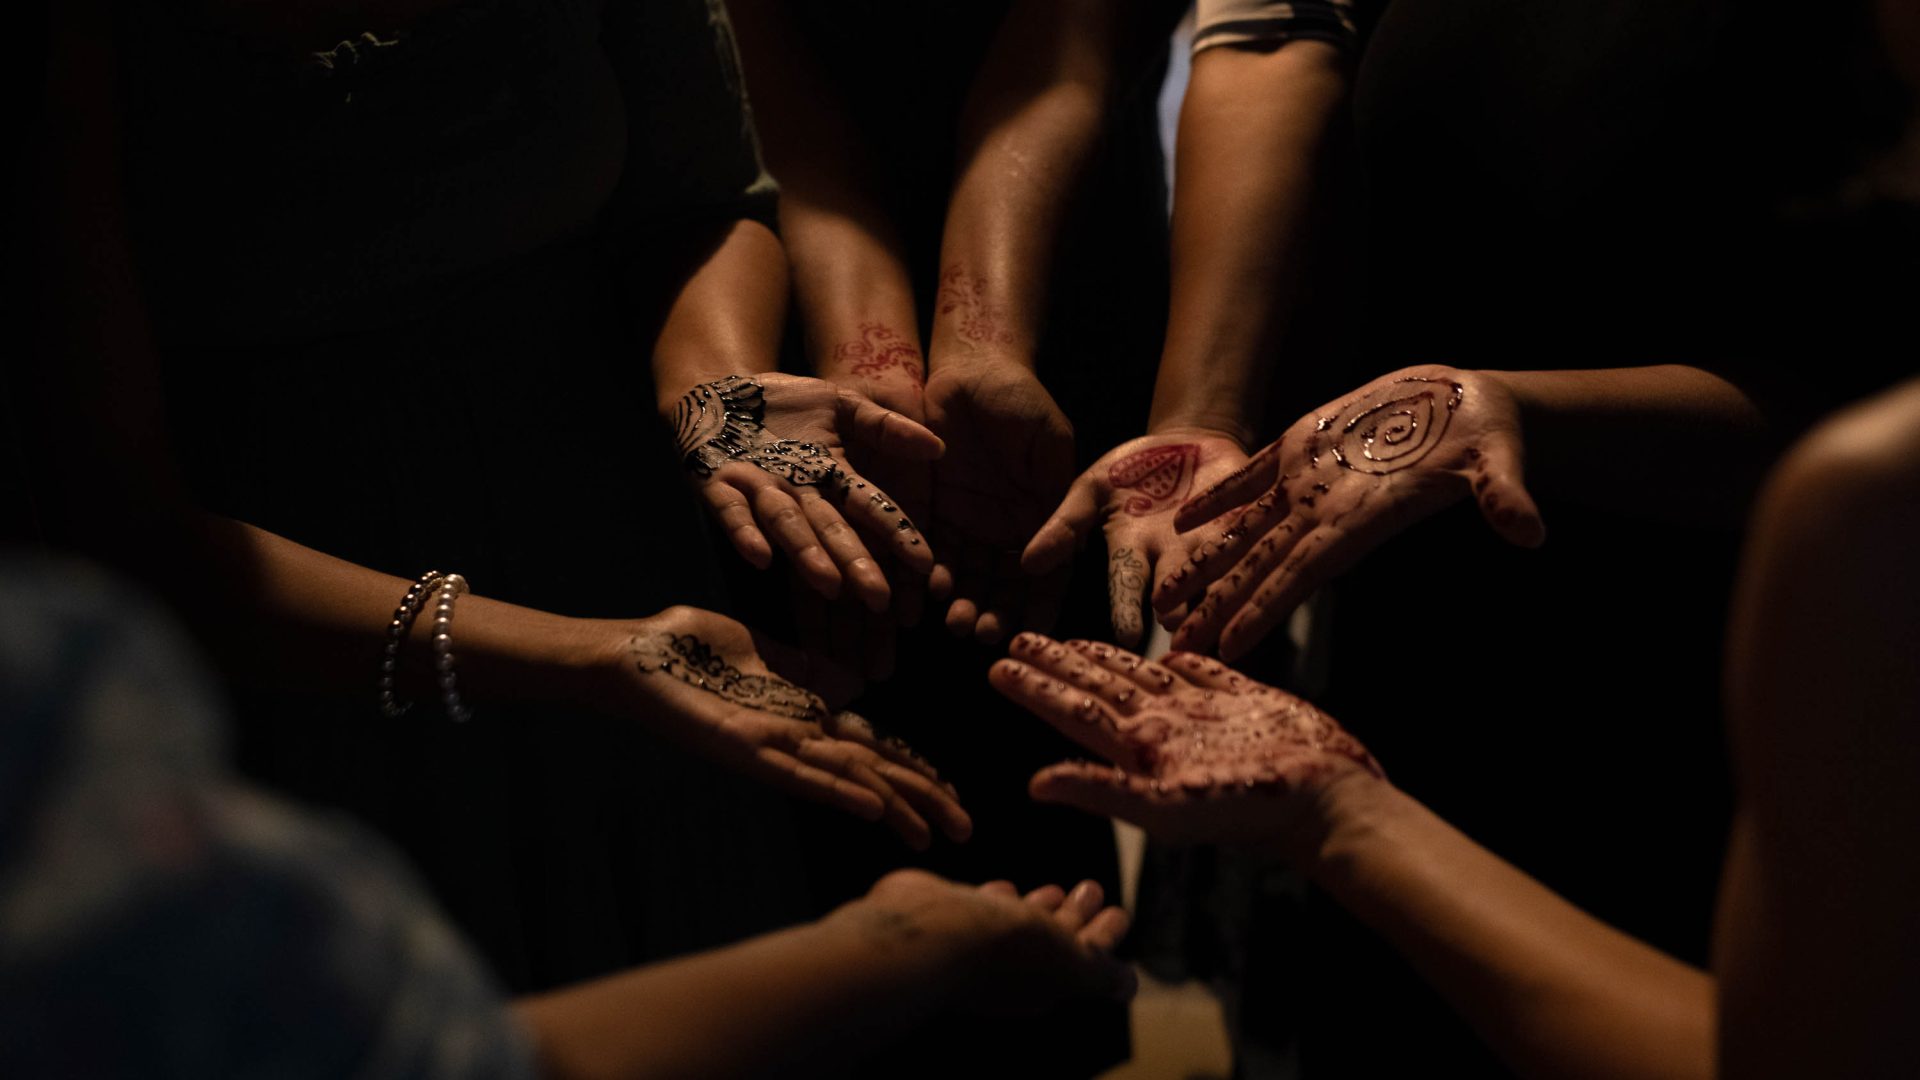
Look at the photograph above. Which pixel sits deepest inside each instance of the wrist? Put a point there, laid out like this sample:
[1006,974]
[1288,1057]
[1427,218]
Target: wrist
[1204,426]
[1351,826]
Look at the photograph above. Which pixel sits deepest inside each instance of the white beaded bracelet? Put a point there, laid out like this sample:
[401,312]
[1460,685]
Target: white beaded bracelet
[449,587]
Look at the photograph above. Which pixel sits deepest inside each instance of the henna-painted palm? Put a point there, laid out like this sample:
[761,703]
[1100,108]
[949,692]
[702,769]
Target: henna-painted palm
[768,454]
[1200,752]
[761,708]
[1132,493]
[1009,459]
[1335,485]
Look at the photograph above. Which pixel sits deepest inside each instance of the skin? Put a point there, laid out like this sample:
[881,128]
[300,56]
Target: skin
[1814,931]
[1251,128]
[811,1000]
[1305,515]
[284,615]
[1029,126]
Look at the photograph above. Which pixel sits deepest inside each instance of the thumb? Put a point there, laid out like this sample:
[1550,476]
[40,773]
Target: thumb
[1064,532]
[1502,496]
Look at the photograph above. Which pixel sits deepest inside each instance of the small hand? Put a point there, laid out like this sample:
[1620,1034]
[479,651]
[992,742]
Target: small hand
[1335,485]
[723,691]
[1132,493]
[1001,952]
[1201,753]
[1009,459]
[768,454]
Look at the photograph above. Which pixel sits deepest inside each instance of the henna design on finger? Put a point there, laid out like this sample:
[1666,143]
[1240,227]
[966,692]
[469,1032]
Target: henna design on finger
[1390,429]
[880,350]
[1159,476]
[979,321]
[725,420]
[1126,576]
[692,661]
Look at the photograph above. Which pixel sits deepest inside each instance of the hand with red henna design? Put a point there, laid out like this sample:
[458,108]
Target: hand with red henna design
[763,709]
[1201,753]
[1132,493]
[1335,485]
[1009,459]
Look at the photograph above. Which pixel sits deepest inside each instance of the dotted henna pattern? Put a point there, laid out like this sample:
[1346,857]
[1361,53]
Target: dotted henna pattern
[1159,476]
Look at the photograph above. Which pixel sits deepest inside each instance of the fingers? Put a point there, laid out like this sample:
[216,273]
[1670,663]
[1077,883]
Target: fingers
[854,763]
[886,525]
[1079,907]
[1005,594]
[1000,887]
[1104,932]
[1208,673]
[884,431]
[1503,497]
[1053,546]
[1231,592]
[1126,590]
[1328,551]
[856,567]
[1077,668]
[1237,488]
[799,779]
[780,515]
[1075,713]
[1265,518]
[1047,898]
[1098,789]
[1051,656]
[908,773]
[730,509]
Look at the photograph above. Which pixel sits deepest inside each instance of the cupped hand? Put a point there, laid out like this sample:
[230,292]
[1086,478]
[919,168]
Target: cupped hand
[768,455]
[1200,753]
[1131,493]
[1009,459]
[1335,485]
[1001,952]
[761,708]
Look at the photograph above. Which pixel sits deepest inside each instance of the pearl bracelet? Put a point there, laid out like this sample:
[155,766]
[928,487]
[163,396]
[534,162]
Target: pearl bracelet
[448,588]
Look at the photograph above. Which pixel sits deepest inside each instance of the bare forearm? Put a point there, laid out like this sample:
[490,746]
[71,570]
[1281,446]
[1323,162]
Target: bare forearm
[1554,991]
[724,316]
[804,1001]
[1030,127]
[1668,439]
[1251,132]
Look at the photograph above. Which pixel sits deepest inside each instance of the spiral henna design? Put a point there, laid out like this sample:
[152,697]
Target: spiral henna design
[692,661]
[1389,429]
[724,421]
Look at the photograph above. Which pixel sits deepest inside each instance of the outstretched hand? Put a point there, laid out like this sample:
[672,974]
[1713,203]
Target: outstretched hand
[1335,485]
[768,455]
[1131,493]
[762,708]
[1009,459]
[1001,952]
[1200,752]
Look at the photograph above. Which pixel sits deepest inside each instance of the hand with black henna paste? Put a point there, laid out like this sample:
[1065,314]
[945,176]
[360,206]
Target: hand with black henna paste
[998,952]
[1009,459]
[1335,485]
[1201,753]
[749,703]
[1131,493]
[768,454]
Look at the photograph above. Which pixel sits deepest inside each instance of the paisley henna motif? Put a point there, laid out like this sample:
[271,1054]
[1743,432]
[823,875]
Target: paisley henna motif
[692,661]
[1159,476]
[724,421]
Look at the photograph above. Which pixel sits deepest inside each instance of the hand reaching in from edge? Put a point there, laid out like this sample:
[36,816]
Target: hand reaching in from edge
[725,693]
[1001,952]
[1335,485]
[1201,753]
[1132,493]
[768,454]
[1009,459]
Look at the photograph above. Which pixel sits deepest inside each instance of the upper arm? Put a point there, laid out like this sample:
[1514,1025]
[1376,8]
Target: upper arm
[1817,938]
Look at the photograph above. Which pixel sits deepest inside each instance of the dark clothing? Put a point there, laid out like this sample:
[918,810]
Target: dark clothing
[391,289]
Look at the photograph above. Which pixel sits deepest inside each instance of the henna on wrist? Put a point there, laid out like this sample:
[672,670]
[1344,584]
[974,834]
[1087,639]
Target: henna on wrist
[975,319]
[878,353]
